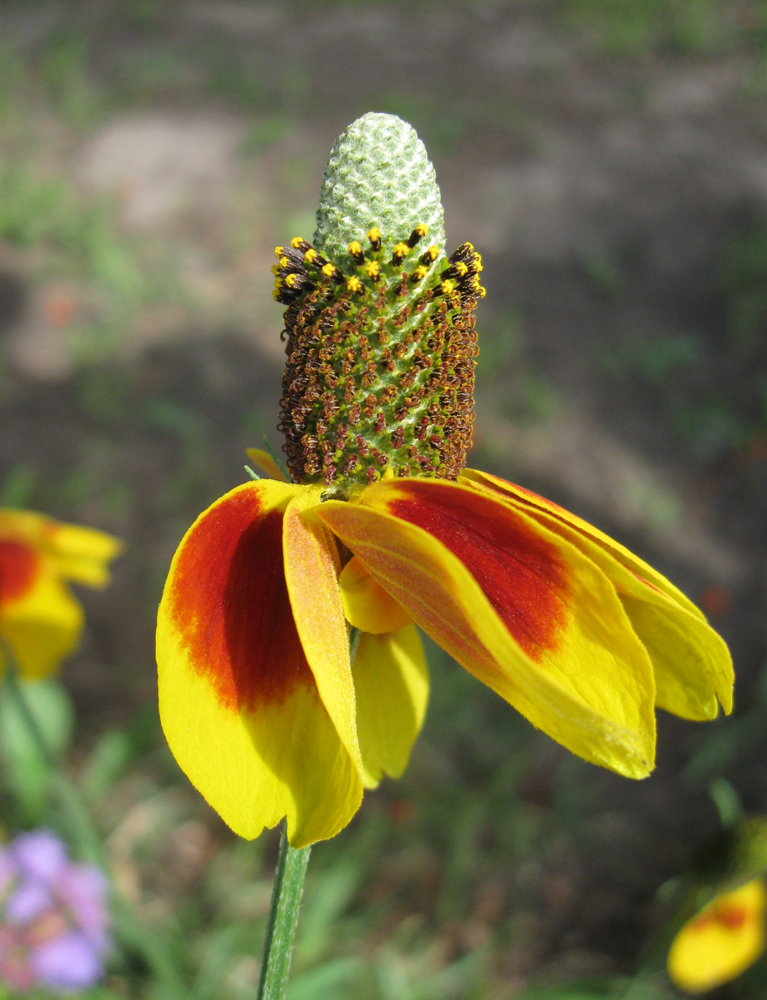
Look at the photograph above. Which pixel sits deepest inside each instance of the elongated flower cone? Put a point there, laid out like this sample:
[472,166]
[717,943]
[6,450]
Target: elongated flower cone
[379,527]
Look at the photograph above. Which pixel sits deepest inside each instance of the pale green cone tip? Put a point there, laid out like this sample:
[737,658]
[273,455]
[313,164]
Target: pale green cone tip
[378,174]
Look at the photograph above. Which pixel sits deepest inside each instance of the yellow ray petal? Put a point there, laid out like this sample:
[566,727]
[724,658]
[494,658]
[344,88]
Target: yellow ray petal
[517,606]
[83,554]
[620,552]
[79,553]
[312,566]
[42,626]
[256,766]
[692,665]
[367,606]
[264,461]
[238,702]
[691,662]
[25,525]
[392,683]
[722,941]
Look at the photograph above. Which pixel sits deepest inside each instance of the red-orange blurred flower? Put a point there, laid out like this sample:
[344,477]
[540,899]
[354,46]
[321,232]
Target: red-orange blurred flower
[721,941]
[40,620]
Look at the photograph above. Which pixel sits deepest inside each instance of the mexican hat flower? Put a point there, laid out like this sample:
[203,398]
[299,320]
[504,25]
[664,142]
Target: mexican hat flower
[722,940]
[40,620]
[291,674]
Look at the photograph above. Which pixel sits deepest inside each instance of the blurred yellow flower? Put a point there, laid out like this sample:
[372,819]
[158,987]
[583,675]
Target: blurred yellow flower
[40,620]
[721,941]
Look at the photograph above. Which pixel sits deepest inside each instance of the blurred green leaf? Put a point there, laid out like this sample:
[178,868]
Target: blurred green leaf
[28,772]
[328,897]
[114,751]
[325,981]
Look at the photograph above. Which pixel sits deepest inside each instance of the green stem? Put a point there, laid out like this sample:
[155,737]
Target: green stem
[82,829]
[283,919]
[14,690]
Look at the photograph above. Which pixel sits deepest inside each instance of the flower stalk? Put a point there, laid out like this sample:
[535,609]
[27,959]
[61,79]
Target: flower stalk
[283,919]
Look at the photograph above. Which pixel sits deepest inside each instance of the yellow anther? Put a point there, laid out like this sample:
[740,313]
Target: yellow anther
[311,255]
[401,250]
[355,248]
[417,235]
[275,269]
[284,262]
[354,284]
[374,234]
[330,270]
[432,253]
[461,269]
[373,269]
[291,280]
[420,272]
[297,242]
[279,251]
[482,292]
[448,286]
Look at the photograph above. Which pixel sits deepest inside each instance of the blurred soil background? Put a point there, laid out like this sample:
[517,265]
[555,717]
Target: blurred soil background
[609,160]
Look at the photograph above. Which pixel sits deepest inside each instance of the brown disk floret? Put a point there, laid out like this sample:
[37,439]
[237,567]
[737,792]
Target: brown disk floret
[380,362]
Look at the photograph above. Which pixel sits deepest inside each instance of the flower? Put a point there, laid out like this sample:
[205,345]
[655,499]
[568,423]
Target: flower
[40,620]
[382,529]
[53,916]
[722,940]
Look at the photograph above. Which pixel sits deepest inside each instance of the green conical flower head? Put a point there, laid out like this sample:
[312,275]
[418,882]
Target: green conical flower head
[380,323]
[378,174]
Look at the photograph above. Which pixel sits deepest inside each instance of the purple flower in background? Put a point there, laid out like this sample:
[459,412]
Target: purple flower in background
[53,916]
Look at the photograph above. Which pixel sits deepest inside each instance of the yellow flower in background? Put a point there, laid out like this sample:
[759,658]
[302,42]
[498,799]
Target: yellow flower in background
[721,941]
[40,620]
[382,528]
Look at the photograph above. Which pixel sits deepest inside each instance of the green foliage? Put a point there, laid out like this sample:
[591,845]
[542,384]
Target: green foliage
[64,72]
[27,772]
[655,361]
[31,210]
[681,27]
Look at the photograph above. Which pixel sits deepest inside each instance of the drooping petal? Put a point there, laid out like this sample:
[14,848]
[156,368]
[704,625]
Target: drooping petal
[264,461]
[392,683]
[367,606]
[620,552]
[238,701]
[692,665]
[722,941]
[517,606]
[312,565]
[39,619]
